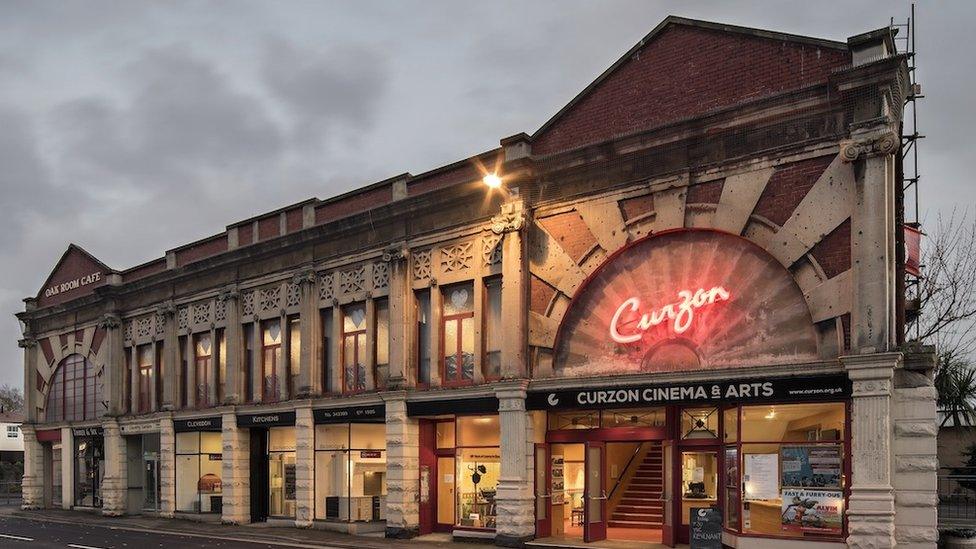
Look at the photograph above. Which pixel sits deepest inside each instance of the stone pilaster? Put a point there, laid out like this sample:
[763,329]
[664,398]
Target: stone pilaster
[871,506]
[115,483]
[401,344]
[310,355]
[67,468]
[33,481]
[31,394]
[234,382]
[509,225]
[167,467]
[304,466]
[515,498]
[236,471]
[402,468]
[166,314]
[114,373]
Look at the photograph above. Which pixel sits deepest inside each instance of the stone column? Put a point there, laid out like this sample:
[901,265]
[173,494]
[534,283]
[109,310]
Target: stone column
[234,383]
[236,471]
[31,394]
[871,507]
[310,355]
[515,498]
[115,483]
[133,375]
[167,467]
[114,373]
[67,468]
[509,224]
[33,481]
[402,468]
[401,342]
[370,359]
[171,357]
[304,466]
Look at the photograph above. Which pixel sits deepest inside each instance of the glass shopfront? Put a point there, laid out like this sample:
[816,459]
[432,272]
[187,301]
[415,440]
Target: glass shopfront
[282,472]
[350,472]
[89,467]
[463,476]
[199,460]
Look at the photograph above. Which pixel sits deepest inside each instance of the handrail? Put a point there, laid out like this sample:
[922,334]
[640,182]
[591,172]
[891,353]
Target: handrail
[626,468]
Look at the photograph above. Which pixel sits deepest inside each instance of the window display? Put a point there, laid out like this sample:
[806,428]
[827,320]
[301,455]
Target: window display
[478,466]
[282,471]
[350,472]
[89,470]
[199,460]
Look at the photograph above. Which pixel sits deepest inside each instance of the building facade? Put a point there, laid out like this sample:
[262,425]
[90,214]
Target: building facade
[687,293]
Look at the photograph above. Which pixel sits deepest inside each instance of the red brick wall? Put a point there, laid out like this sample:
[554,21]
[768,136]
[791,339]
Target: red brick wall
[269,227]
[705,193]
[354,204]
[540,294]
[293,220]
[144,270]
[46,349]
[76,264]
[97,340]
[203,249]
[686,72]
[787,187]
[245,234]
[571,233]
[833,252]
[634,207]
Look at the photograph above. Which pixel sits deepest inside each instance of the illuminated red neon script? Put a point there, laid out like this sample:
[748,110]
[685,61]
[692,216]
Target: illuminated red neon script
[680,314]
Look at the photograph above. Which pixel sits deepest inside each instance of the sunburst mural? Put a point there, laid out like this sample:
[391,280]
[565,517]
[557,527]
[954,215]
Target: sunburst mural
[685,300]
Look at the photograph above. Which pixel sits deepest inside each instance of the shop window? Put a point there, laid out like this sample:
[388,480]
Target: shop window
[294,353]
[158,374]
[327,342]
[478,468]
[75,391]
[699,423]
[145,373]
[270,359]
[791,460]
[282,472]
[493,329]
[574,419]
[732,488]
[89,471]
[699,481]
[126,391]
[423,337]
[731,428]
[354,348]
[184,374]
[382,351]
[633,417]
[203,353]
[444,434]
[221,374]
[457,334]
[350,472]
[199,488]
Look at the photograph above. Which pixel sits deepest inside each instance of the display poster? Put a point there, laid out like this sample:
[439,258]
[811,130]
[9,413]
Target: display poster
[424,483]
[761,476]
[705,531]
[290,485]
[811,466]
[558,482]
[812,511]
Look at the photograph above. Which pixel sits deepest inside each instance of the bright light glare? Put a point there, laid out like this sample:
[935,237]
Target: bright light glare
[493,181]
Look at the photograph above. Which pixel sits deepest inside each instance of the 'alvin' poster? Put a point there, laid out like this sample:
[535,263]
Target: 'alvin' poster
[812,511]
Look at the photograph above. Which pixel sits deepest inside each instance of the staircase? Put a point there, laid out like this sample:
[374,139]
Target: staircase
[640,505]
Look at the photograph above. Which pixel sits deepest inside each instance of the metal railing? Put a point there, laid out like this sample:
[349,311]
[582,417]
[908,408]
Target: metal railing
[957,496]
[10,492]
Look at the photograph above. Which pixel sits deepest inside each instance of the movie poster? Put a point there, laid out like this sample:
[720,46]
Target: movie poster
[811,466]
[817,511]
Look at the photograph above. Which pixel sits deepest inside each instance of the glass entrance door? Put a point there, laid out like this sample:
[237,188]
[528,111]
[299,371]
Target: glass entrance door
[445,494]
[543,493]
[699,484]
[595,494]
[667,495]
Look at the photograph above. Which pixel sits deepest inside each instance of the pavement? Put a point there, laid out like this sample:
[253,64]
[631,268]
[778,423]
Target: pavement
[80,530]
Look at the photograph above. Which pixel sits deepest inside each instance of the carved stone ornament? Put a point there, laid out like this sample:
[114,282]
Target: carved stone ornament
[229,293]
[874,143]
[27,343]
[166,309]
[110,321]
[396,252]
[511,219]
[303,277]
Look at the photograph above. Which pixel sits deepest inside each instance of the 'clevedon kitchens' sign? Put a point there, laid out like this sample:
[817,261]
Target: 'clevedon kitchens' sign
[786,389]
[72,284]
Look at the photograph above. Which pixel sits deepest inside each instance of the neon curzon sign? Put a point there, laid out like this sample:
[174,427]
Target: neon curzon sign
[680,314]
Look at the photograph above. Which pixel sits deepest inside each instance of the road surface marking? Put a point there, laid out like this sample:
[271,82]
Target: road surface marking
[82,546]
[18,538]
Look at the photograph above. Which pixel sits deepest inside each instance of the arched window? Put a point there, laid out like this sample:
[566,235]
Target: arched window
[75,391]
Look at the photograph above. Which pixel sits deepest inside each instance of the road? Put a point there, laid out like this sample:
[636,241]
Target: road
[21,533]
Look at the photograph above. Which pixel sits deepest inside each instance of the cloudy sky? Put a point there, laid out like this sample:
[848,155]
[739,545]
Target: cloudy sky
[132,127]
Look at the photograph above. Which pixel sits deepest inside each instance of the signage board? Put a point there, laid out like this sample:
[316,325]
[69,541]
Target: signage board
[705,531]
[480,405]
[72,284]
[370,454]
[138,428]
[802,389]
[87,432]
[373,413]
[272,419]
[198,424]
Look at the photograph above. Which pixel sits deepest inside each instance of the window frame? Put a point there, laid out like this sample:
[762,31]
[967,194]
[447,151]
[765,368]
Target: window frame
[458,319]
[59,381]
[201,364]
[275,354]
[354,336]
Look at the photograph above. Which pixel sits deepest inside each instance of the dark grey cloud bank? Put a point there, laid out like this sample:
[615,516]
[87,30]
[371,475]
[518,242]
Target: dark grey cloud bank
[130,128]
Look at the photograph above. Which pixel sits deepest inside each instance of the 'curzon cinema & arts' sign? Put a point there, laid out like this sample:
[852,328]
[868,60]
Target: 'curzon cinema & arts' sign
[72,284]
[747,390]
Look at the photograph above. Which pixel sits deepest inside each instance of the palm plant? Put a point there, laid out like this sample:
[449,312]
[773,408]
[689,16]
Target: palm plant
[956,385]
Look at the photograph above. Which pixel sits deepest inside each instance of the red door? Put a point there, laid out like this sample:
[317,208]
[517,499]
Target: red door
[667,495]
[543,492]
[595,493]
